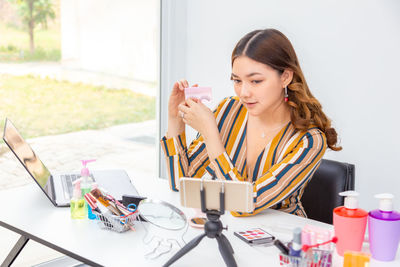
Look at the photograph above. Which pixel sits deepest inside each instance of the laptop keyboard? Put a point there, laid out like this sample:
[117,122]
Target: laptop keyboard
[68,180]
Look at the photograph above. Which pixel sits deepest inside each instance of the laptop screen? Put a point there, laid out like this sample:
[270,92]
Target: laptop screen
[28,158]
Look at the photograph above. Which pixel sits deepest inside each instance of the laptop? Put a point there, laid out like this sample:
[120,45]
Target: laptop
[58,187]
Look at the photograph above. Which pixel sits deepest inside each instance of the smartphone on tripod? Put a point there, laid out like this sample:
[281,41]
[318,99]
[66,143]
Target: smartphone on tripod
[214,197]
[238,195]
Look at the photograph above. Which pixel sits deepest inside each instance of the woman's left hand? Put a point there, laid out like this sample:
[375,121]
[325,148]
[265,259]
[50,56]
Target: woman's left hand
[198,116]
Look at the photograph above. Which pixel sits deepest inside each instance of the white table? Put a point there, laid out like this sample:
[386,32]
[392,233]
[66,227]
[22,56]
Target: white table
[27,211]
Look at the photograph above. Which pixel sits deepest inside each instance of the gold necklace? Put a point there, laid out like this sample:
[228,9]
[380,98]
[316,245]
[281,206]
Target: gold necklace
[264,134]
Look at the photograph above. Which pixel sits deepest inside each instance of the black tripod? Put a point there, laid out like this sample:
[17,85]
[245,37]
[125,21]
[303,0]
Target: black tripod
[212,229]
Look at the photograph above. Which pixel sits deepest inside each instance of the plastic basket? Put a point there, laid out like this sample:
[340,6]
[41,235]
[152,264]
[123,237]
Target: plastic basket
[314,258]
[113,222]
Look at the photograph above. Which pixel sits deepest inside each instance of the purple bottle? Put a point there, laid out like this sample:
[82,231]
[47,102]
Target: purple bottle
[384,229]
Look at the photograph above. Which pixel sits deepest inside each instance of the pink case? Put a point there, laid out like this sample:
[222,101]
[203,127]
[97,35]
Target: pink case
[201,93]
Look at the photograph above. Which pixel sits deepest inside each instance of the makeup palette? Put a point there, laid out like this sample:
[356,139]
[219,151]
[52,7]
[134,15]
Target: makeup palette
[255,236]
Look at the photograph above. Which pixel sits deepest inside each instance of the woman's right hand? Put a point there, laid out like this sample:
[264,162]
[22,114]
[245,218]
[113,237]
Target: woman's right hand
[175,123]
[177,97]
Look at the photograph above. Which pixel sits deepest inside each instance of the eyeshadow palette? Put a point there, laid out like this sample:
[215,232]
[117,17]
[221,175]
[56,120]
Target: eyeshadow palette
[255,236]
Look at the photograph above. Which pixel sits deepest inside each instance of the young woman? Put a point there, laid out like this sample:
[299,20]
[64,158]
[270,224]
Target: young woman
[273,133]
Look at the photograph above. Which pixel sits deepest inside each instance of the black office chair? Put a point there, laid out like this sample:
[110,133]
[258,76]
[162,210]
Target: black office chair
[321,195]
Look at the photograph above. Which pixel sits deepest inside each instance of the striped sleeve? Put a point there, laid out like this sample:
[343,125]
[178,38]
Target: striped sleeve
[284,177]
[184,162]
[174,148]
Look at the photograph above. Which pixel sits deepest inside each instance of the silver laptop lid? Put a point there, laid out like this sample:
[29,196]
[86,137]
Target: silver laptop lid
[28,158]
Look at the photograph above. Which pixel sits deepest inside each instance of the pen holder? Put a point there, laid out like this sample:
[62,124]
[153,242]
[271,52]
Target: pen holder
[115,223]
[313,258]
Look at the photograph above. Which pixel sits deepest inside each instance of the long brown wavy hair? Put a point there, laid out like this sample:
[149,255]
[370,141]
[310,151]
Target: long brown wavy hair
[274,49]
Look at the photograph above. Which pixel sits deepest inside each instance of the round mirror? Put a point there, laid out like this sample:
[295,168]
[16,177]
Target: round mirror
[162,214]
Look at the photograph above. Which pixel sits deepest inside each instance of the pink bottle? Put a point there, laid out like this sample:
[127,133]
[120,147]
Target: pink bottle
[349,223]
[384,229]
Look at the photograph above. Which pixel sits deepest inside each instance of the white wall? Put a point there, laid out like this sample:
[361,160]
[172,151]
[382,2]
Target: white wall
[111,37]
[350,54]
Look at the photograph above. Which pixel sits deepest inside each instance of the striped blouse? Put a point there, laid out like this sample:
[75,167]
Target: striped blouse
[282,169]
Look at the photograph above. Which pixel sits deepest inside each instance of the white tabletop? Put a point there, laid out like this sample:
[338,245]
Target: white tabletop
[28,210]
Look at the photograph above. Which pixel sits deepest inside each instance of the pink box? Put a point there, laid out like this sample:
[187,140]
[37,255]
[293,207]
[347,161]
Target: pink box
[201,93]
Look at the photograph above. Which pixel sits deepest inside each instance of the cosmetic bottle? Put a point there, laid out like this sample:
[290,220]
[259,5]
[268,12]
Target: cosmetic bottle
[356,259]
[91,215]
[295,247]
[349,223]
[86,186]
[384,229]
[77,202]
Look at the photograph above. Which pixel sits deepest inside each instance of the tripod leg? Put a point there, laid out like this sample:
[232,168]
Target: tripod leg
[226,252]
[226,241]
[189,246]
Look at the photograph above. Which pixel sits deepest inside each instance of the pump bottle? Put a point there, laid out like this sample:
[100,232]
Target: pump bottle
[86,185]
[77,202]
[349,223]
[384,229]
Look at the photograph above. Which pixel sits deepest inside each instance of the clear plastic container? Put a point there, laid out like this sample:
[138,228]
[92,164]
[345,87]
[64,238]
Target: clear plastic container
[314,258]
[115,223]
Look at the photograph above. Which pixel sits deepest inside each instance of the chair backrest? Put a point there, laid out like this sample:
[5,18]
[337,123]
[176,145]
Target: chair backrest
[321,195]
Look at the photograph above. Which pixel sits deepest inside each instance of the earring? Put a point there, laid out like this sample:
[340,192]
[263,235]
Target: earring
[286,95]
